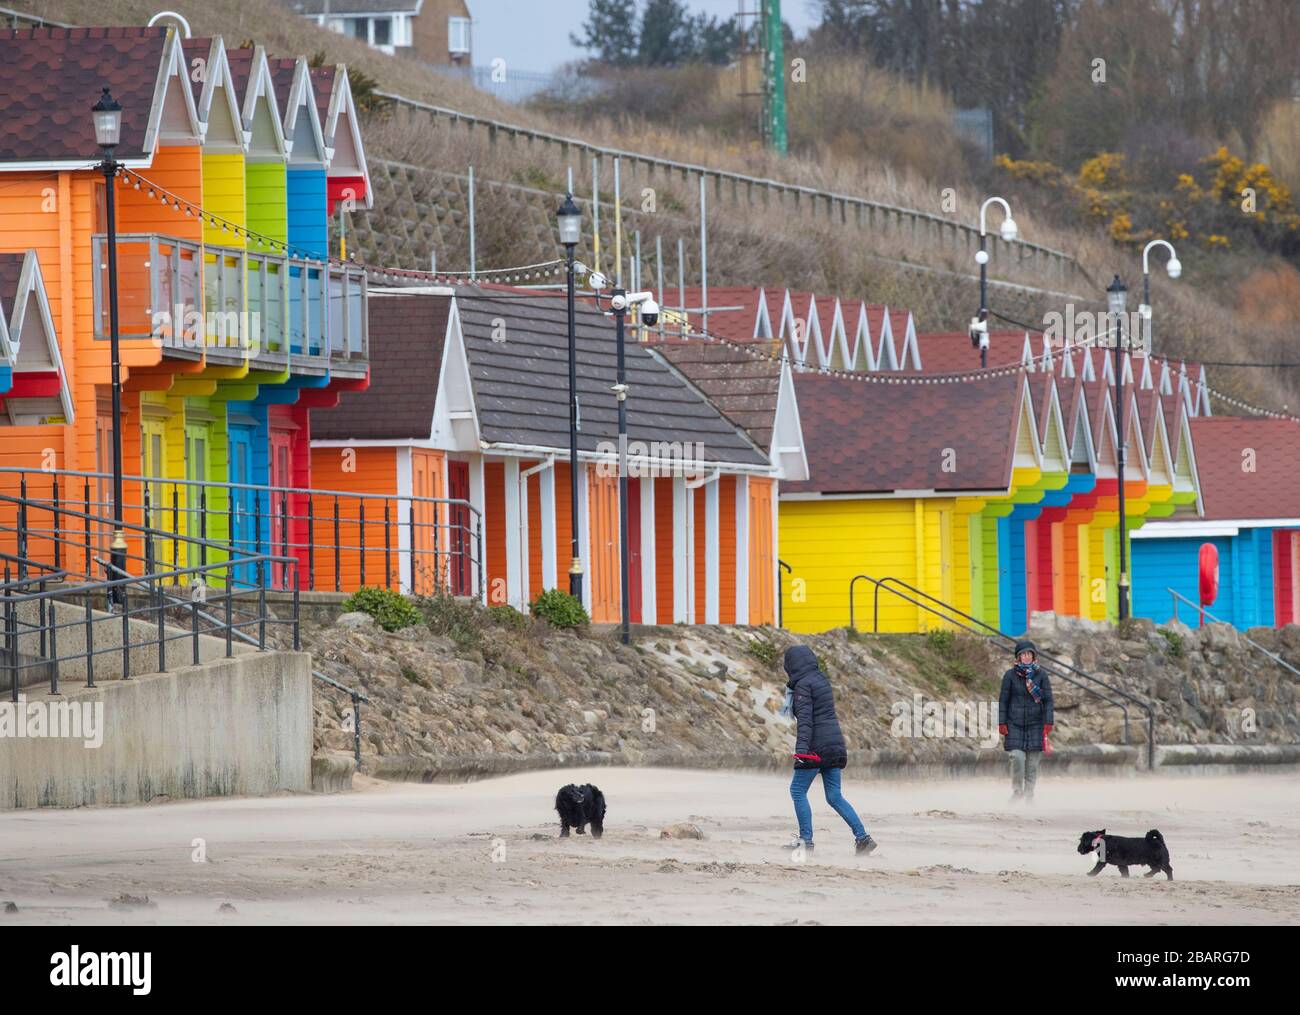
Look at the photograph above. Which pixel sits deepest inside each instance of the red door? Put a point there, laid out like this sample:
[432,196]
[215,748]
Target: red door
[281,510]
[634,550]
[461,536]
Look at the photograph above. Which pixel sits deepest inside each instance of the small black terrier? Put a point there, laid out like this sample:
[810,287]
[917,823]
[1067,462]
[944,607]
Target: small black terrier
[579,806]
[1149,851]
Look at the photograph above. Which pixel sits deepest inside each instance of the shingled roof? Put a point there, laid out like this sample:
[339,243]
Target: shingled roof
[521,381]
[745,387]
[884,438]
[50,77]
[1247,467]
[406,340]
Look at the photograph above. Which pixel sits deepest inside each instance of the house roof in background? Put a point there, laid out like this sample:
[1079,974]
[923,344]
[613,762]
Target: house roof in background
[342,8]
[744,386]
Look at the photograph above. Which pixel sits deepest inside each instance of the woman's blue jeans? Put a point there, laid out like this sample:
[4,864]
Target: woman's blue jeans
[803,778]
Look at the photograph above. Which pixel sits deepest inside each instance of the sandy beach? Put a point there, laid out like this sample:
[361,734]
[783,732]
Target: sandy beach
[953,852]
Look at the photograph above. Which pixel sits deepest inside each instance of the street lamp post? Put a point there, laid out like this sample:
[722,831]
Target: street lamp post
[1117,299]
[1173,266]
[619,304]
[569,217]
[107,115]
[1009,231]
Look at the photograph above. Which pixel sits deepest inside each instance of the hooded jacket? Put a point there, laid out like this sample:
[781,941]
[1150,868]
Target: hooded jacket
[814,710]
[1017,710]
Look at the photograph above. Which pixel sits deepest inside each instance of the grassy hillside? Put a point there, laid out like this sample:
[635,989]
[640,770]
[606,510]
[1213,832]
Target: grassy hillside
[858,132]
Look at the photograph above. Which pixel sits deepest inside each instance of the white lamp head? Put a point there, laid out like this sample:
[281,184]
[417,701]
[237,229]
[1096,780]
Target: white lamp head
[1009,229]
[1174,267]
[981,257]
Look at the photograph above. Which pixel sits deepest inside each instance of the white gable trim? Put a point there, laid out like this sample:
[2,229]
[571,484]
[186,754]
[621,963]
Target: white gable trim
[455,425]
[342,104]
[787,452]
[260,88]
[171,73]
[31,290]
[301,97]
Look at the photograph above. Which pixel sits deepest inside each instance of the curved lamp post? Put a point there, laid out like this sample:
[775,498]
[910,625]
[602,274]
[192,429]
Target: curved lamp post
[1173,266]
[1009,231]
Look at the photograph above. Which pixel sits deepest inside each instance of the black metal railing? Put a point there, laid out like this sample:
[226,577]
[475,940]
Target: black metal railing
[341,540]
[1204,614]
[1054,665]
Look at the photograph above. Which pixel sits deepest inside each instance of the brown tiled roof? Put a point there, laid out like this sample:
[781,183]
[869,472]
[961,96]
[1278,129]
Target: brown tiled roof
[322,86]
[880,438]
[11,266]
[282,71]
[50,77]
[1229,490]
[196,49]
[406,338]
[241,69]
[743,386]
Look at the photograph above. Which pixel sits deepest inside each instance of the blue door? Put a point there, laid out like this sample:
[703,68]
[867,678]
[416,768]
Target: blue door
[243,508]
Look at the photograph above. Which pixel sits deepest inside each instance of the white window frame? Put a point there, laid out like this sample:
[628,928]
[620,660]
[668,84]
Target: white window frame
[455,25]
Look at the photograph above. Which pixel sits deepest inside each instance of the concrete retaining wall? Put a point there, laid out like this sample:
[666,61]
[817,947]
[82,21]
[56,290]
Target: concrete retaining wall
[229,726]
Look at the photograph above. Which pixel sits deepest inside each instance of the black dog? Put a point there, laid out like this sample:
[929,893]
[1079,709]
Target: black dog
[580,806]
[1149,851]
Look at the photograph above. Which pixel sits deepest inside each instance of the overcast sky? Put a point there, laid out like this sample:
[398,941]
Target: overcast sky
[534,34]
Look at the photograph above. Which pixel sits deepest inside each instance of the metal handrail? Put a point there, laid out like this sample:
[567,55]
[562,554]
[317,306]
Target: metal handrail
[1242,634]
[990,632]
[456,547]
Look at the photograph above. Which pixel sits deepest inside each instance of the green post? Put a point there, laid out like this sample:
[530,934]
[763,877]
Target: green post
[774,77]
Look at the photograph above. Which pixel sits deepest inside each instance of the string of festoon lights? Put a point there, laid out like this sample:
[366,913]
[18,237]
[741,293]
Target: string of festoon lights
[1180,368]
[547,269]
[518,274]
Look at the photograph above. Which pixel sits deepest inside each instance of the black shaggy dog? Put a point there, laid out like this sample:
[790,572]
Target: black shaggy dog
[1149,851]
[580,806]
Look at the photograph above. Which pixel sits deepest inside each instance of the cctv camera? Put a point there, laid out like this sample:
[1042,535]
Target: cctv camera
[650,313]
[597,281]
[1009,230]
[618,301]
[1174,267]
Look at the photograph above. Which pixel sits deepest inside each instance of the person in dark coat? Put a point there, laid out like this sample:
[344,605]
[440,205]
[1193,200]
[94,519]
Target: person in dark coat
[1025,718]
[819,747]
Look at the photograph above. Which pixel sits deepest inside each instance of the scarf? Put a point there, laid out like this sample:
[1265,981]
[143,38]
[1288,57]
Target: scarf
[1027,674]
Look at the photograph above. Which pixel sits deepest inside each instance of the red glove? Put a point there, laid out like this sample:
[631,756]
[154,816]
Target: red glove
[1002,728]
[808,757]
[1047,729]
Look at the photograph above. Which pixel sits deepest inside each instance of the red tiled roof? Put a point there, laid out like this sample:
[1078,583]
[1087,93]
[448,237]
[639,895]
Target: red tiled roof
[1225,448]
[879,438]
[282,71]
[50,77]
[950,352]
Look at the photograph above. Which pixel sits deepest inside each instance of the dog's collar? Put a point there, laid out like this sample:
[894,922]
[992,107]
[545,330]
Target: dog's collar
[1097,840]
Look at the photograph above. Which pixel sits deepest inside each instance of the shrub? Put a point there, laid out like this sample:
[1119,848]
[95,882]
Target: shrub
[392,611]
[450,617]
[560,609]
[765,650]
[508,616]
[1176,649]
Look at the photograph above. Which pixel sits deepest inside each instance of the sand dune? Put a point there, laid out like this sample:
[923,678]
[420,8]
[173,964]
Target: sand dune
[487,852]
